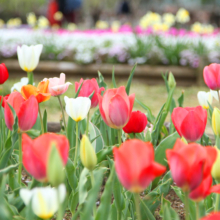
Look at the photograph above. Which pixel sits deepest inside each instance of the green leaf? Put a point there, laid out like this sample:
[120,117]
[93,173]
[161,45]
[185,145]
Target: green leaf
[45,120]
[150,116]
[73,201]
[101,80]
[146,211]
[77,93]
[113,77]
[82,186]
[70,173]
[8,169]
[181,99]
[71,127]
[102,155]
[105,202]
[130,79]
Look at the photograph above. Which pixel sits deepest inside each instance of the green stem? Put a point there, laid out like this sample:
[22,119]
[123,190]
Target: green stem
[186,206]
[87,125]
[60,210]
[118,215]
[75,158]
[30,76]
[197,211]
[93,184]
[61,106]
[41,120]
[20,159]
[137,205]
[217,202]
[119,137]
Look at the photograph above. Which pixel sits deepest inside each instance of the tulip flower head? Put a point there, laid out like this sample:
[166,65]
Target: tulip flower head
[77,108]
[3,73]
[40,92]
[204,190]
[211,75]
[215,167]
[182,16]
[137,123]
[87,89]
[115,107]
[190,122]
[57,86]
[5,98]
[28,57]
[87,153]
[26,111]
[216,121]
[135,165]
[204,98]
[36,153]
[212,216]
[190,164]
[44,200]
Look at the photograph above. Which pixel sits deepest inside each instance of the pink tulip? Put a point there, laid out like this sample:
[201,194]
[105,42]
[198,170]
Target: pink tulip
[211,76]
[57,86]
[26,111]
[115,107]
[87,89]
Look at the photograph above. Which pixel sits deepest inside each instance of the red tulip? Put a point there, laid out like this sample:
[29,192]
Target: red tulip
[36,153]
[137,123]
[5,98]
[204,189]
[190,122]
[135,165]
[87,89]
[26,111]
[190,164]
[115,107]
[3,73]
[212,216]
[211,76]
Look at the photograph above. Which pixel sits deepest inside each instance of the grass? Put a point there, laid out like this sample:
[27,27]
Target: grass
[152,96]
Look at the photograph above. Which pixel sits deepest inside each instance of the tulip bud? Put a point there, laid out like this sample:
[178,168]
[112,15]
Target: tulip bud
[216,121]
[87,154]
[171,80]
[215,167]
[55,168]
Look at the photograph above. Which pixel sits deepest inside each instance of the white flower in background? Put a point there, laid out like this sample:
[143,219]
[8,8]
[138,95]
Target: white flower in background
[101,25]
[215,94]
[14,22]
[182,16]
[31,19]
[71,27]
[169,19]
[17,86]
[115,26]
[44,200]
[204,98]
[197,27]
[77,108]
[43,22]
[28,57]
[58,16]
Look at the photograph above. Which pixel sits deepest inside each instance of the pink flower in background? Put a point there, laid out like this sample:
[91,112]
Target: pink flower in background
[57,86]
[87,89]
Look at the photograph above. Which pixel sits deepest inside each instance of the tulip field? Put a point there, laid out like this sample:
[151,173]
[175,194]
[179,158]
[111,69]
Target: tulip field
[109,161]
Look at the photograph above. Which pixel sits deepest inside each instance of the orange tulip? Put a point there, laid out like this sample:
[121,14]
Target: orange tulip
[40,92]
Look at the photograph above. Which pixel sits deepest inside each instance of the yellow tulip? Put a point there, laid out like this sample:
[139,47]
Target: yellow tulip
[216,121]
[216,166]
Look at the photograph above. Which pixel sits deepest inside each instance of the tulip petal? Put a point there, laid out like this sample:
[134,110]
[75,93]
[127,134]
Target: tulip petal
[43,86]
[28,113]
[43,97]
[101,109]
[211,76]
[131,100]
[118,111]
[26,195]
[210,160]
[28,90]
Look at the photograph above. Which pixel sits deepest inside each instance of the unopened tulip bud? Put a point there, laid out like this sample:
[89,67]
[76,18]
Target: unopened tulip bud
[55,168]
[171,81]
[216,121]
[87,154]
[215,167]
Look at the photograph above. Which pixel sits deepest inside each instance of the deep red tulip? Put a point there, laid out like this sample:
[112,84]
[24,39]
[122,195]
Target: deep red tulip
[135,165]
[137,123]
[36,153]
[211,76]
[26,111]
[190,122]
[115,107]
[5,98]
[190,164]
[204,189]
[3,73]
[212,216]
[87,89]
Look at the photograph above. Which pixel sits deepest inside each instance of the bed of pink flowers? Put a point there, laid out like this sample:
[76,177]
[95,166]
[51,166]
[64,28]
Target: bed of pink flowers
[113,164]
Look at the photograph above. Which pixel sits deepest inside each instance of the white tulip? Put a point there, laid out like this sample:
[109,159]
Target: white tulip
[17,86]
[215,94]
[204,98]
[28,57]
[44,200]
[77,108]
